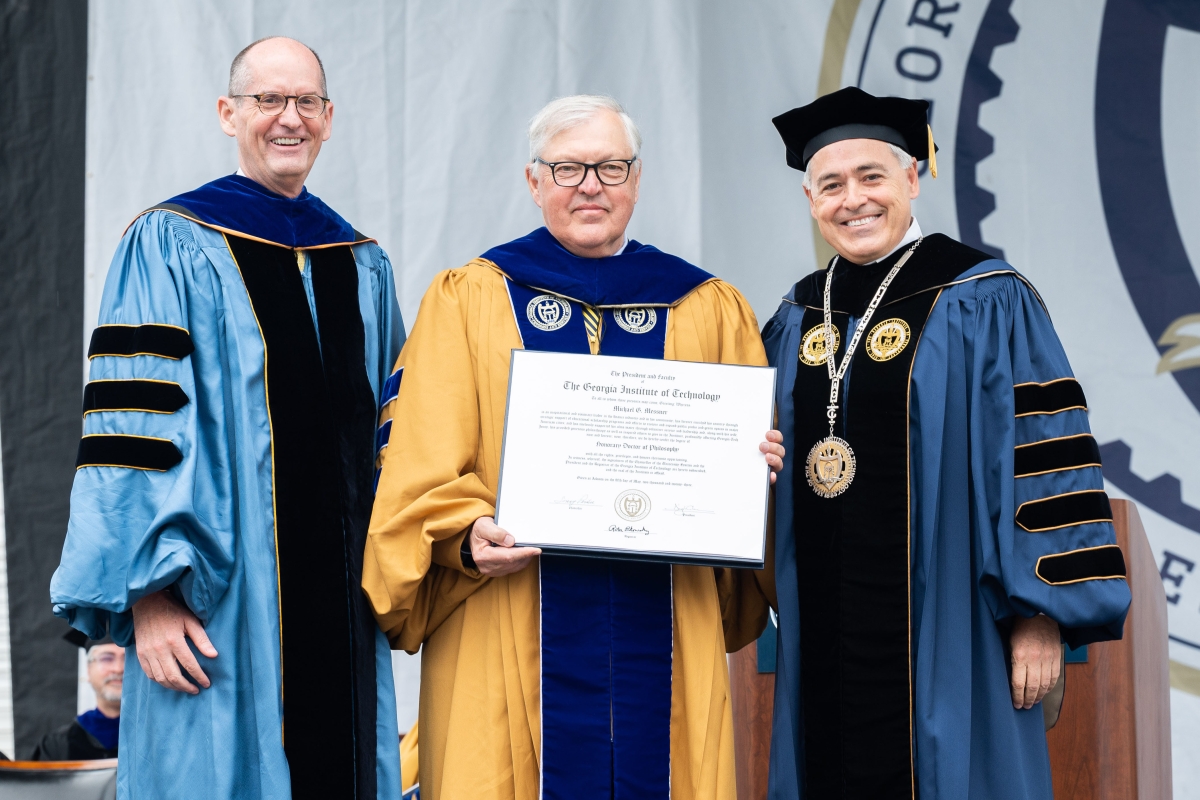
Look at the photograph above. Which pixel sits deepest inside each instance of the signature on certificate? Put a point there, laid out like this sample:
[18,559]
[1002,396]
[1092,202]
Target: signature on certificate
[690,511]
[630,531]
[574,503]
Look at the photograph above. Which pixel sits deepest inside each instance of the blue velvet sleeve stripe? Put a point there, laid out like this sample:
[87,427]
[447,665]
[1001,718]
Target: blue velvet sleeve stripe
[391,388]
[382,436]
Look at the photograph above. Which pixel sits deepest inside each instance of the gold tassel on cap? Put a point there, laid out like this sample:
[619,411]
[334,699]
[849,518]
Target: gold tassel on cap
[932,153]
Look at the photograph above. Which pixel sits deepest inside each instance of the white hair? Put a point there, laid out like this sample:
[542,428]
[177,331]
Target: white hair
[904,158]
[567,112]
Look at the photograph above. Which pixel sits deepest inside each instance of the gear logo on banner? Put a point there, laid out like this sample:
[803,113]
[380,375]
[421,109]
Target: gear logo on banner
[1067,139]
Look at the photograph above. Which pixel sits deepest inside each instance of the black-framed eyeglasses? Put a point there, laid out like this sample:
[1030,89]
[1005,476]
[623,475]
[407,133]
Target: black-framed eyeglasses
[573,173]
[309,106]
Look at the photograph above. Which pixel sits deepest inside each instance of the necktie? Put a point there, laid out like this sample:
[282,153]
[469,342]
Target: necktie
[594,323]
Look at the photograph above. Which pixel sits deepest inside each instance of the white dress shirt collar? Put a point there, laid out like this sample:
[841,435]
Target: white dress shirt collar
[914,233]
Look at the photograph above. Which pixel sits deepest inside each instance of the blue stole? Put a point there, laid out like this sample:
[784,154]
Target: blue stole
[238,205]
[607,626]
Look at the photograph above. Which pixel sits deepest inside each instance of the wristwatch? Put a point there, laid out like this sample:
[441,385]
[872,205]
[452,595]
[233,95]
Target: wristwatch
[464,553]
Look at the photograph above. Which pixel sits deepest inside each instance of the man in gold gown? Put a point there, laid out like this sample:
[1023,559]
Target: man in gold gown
[495,718]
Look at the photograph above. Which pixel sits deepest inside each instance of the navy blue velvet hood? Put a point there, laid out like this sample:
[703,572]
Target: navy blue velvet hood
[239,205]
[640,276]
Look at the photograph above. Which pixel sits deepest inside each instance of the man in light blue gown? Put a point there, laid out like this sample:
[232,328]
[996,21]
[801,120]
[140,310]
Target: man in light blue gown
[224,478]
[942,525]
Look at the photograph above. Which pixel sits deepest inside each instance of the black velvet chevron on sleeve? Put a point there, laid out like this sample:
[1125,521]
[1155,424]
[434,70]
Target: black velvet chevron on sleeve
[131,452]
[158,397]
[165,341]
[1056,455]
[1064,510]
[1082,565]
[1049,398]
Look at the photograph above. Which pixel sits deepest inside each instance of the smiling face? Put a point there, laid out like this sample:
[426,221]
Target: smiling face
[106,671]
[277,152]
[861,198]
[589,219]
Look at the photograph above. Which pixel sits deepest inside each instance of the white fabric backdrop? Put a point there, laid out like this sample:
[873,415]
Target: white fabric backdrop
[433,97]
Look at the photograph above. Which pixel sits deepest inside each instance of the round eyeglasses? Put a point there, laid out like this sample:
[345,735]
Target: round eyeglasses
[309,106]
[107,659]
[573,173]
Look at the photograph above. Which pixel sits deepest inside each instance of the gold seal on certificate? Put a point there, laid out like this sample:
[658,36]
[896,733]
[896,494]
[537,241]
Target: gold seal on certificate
[632,505]
[636,458]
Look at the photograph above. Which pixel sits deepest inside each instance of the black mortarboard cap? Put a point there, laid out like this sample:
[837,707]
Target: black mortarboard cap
[851,113]
[80,639]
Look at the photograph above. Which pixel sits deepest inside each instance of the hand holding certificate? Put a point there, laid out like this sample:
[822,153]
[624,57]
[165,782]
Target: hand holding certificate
[636,458]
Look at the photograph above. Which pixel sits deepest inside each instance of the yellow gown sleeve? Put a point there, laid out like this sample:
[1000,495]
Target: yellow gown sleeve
[429,492]
[716,324]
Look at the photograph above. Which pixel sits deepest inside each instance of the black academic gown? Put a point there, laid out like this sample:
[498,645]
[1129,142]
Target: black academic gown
[71,743]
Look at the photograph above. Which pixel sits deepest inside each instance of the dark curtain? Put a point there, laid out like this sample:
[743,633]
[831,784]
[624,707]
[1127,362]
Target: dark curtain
[43,89]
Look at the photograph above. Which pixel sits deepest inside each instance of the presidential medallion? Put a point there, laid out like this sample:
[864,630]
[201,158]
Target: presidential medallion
[887,339]
[632,505]
[635,320]
[548,312]
[813,351]
[830,466]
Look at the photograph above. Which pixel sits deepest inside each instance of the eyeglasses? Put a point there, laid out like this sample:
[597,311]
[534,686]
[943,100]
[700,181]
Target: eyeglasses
[107,659]
[309,106]
[573,173]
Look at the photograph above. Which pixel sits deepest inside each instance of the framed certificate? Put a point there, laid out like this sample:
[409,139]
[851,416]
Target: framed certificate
[636,458]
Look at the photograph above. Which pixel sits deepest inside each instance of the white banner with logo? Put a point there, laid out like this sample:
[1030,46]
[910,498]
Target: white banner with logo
[1069,134]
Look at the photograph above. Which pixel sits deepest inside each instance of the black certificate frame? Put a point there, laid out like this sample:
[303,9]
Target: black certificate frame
[650,556]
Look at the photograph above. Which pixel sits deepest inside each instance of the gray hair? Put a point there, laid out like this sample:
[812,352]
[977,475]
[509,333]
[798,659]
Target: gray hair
[904,158]
[567,112]
[239,70]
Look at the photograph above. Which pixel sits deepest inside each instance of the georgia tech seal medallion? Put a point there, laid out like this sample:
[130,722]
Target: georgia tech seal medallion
[888,339]
[547,312]
[830,466]
[813,351]
[632,505]
[636,320]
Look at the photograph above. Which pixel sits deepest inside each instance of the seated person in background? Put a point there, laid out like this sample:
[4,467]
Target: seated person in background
[93,734]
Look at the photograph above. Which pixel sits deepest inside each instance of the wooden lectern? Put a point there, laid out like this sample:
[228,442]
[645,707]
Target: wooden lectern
[1113,736]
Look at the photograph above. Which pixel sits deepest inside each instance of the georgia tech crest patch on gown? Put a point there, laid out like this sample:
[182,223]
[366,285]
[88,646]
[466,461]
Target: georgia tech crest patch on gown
[830,466]
[632,505]
[888,339]
[636,320]
[813,351]
[547,312]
